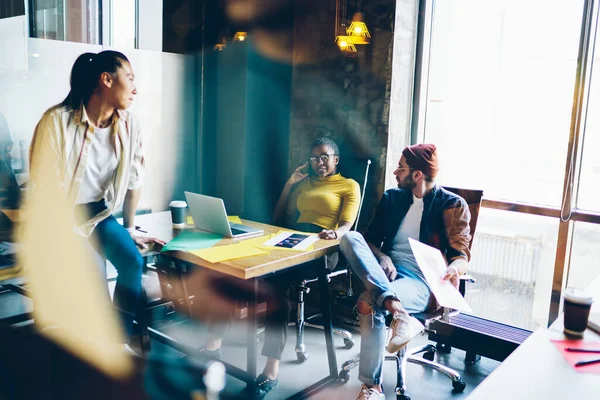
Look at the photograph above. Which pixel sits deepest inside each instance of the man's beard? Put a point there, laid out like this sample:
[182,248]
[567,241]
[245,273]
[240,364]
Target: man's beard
[407,183]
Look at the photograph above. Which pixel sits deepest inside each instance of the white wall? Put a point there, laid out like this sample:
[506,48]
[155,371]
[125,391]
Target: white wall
[13,43]
[165,104]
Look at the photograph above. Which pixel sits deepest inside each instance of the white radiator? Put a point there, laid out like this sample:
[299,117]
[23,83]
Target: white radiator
[509,257]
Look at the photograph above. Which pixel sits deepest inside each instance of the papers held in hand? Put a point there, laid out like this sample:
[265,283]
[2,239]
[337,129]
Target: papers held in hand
[292,240]
[433,265]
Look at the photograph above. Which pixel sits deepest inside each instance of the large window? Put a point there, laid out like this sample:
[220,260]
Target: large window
[498,79]
[67,20]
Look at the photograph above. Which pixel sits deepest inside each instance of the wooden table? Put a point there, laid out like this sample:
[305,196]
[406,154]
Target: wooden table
[536,370]
[251,269]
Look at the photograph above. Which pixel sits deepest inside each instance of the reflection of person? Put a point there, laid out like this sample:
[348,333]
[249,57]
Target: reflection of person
[383,259]
[9,188]
[99,159]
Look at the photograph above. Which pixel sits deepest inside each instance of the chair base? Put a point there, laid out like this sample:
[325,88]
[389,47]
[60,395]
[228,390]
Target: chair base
[410,355]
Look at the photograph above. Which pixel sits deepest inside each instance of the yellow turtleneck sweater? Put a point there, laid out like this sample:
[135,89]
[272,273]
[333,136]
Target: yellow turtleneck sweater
[328,201]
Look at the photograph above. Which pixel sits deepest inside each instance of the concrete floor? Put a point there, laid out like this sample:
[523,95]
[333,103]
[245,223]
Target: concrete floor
[174,382]
[422,383]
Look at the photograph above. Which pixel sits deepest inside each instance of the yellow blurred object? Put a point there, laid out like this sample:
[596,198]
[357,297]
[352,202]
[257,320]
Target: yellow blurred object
[240,36]
[190,220]
[72,305]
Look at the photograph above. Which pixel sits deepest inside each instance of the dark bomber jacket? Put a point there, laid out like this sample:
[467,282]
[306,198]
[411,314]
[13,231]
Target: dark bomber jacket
[445,222]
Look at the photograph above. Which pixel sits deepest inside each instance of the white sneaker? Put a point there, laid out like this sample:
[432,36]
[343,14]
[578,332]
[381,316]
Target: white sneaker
[367,393]
[403,328]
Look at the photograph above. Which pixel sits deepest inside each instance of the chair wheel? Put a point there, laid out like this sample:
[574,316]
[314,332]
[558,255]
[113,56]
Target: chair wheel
[301,357]
[402,397]
[459,386]
[443,348]
[348,343]
[344,376]
[429,355]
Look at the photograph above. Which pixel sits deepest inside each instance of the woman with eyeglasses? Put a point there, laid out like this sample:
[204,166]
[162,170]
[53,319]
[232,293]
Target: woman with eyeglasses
[321,201]
[317,198]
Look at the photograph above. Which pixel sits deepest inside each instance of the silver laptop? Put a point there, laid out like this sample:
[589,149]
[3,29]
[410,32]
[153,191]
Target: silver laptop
[209,215]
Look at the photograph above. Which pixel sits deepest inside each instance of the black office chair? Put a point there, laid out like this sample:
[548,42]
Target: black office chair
[473,199]
[303,289]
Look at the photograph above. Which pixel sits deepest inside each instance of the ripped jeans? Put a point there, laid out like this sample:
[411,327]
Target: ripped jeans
[408,288]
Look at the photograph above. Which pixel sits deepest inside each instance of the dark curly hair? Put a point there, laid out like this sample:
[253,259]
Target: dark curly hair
[324,141]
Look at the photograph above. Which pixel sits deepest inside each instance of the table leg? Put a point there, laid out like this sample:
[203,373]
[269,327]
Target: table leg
[252,348]
[327,323]
[186,296]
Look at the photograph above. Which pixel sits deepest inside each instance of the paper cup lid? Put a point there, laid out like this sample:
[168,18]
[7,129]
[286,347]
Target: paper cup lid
[578,296]
[178,203]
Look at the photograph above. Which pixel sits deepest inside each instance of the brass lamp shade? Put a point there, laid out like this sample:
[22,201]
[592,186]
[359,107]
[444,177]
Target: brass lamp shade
[346,43]
[240,36]
[220,46]
[358,30]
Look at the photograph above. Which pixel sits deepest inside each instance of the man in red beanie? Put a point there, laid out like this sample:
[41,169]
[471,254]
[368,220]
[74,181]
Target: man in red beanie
[384,262]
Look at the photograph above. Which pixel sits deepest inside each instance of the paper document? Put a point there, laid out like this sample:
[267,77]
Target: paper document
[190,240]
[234,219]
[228,252]
[432,264]
[573,357]
[291,240]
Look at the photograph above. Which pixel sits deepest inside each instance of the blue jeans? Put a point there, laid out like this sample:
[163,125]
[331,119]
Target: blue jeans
[408,288]
[114,243]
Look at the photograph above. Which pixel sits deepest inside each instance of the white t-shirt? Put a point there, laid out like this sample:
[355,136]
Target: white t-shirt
[101,166]
[410,227]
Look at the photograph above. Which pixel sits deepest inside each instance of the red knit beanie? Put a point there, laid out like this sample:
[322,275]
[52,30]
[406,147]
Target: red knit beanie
[422,157]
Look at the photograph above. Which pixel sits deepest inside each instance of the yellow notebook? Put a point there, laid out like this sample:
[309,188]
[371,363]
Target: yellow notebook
[228,252]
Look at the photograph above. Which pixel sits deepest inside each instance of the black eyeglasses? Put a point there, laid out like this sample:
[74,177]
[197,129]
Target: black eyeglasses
[323,158]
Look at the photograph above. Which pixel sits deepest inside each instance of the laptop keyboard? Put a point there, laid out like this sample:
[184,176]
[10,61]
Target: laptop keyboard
[235,231]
